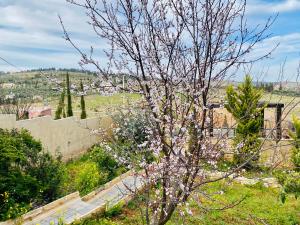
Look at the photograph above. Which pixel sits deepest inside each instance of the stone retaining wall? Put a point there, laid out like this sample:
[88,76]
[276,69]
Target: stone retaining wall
[69,136]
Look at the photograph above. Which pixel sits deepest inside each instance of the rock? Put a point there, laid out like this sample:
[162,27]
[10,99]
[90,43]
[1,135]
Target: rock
[246,181]
[270,182]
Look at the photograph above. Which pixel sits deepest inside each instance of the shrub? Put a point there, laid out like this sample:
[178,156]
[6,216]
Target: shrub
[83,176]
[290,181]
[10,208]
[131,136]
[292,184]
[114,211]
[50,173]
[296,144]
[28,175]
[88,178]
[94,168]
[105,162]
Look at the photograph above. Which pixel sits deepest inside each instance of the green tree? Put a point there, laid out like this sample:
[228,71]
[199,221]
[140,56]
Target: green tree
[69,105]
[243,103]
[82,102]
[61,106]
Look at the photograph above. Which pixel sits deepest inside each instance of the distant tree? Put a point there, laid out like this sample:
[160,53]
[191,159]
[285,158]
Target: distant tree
[243,105]
[61,106]
[270,87]
[18,106]
[69,106]
[280,86]
[82,102]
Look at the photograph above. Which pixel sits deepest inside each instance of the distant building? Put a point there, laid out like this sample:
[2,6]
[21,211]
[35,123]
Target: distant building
[8,85]
[86,87]
[286,86]
[73,86]
[37,98]
[39,112]
[10,96]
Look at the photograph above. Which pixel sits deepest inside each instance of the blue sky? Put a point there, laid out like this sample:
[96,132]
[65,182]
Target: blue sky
[31,37]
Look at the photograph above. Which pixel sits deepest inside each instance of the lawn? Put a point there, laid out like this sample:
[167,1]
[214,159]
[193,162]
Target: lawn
[260,206]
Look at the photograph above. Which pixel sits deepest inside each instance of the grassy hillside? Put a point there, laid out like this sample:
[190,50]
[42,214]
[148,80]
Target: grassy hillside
[41,83]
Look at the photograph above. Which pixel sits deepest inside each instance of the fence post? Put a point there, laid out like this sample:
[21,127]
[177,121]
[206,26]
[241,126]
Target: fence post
[263,134]
[278,122]
[211,122]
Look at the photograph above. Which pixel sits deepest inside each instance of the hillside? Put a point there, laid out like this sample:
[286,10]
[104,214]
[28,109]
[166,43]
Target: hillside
[45,84]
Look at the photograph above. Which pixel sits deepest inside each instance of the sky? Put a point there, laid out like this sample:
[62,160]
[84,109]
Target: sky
[31,36]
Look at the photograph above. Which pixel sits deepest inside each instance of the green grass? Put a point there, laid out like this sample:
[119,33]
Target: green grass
[260,206]
[98,104]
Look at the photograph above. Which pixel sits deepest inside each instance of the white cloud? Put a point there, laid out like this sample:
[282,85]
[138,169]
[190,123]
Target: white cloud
[258,6]
[31,36]
[288,44]
[287,52]
[29,28]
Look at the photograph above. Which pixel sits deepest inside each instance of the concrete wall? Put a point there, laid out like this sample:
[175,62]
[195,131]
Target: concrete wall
[69,136]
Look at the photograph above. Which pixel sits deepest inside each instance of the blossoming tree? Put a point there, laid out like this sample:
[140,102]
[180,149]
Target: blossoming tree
[176,53]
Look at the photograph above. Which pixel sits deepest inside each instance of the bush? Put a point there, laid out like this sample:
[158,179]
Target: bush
[94,168]
[28,176]
[131,126]
[105,162]
[296,144]
[114,211]
[84,177]
[10,208]
[290,181]
[131,136]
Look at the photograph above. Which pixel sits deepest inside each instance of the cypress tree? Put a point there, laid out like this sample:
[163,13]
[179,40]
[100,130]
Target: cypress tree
[64,112]
[243,105]
[69,106]
[61,105]
[82,102]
